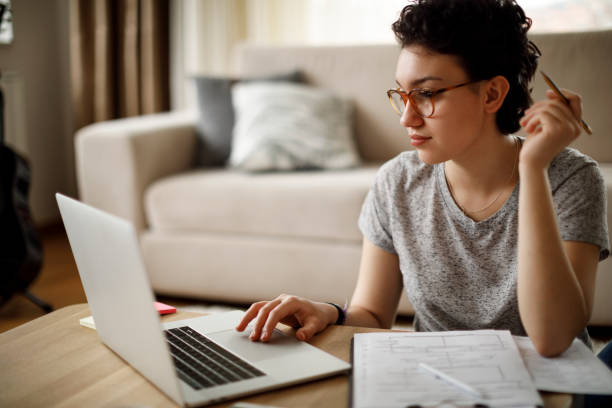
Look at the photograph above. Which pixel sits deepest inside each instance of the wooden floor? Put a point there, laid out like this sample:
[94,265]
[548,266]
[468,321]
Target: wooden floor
[59,284]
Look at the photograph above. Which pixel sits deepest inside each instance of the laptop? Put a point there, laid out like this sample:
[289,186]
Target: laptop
[195,361]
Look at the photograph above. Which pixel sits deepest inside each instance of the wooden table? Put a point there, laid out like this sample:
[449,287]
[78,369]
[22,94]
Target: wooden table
[54,361]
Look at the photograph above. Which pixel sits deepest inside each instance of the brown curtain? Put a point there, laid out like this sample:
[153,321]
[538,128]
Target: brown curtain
[119,58]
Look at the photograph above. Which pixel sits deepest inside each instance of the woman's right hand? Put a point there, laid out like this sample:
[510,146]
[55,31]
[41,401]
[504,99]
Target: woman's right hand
[305,315]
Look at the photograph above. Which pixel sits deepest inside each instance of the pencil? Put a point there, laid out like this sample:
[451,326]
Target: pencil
[557,91]
[451,380]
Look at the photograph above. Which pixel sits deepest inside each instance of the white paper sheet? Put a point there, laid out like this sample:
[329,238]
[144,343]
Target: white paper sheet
[576,371]
[88,322]
[386,374]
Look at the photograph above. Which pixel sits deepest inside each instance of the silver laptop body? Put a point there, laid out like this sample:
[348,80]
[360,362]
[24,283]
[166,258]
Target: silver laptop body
[107,254]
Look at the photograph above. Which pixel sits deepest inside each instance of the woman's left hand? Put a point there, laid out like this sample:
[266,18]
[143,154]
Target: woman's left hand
[551,125]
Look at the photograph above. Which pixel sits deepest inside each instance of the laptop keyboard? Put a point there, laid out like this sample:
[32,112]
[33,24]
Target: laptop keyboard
[201,363]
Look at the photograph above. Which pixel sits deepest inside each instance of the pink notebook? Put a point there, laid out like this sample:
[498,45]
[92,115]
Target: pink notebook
[163,308]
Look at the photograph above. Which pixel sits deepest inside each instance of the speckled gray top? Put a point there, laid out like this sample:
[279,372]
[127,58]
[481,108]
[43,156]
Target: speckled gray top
[460,274]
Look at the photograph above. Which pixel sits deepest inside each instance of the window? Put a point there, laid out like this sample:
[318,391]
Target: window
[205,32]
[568,15]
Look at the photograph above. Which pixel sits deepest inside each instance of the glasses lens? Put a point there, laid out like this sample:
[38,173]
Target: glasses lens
[422,103]
[398,102]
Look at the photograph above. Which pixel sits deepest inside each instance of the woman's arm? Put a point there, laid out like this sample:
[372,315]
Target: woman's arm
[374,302]
[378,289]
[556,278]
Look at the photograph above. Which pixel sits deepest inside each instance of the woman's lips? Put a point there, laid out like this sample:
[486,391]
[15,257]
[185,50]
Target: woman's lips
[417,140]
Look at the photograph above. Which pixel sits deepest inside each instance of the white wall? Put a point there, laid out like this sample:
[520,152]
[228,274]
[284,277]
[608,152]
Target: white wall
[39,55]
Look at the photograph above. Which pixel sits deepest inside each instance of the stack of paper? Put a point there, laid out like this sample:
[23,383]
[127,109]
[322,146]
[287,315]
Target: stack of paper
[388,370]
[576,371]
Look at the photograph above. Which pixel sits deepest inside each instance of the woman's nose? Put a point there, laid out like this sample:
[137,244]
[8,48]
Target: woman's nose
[410,118]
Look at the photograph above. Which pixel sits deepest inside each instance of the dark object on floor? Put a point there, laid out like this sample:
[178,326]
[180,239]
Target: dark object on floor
[20,247]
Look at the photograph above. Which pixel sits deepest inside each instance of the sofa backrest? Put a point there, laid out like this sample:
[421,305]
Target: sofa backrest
[578,61]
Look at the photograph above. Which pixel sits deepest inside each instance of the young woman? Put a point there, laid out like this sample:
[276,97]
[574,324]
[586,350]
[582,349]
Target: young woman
[482,228]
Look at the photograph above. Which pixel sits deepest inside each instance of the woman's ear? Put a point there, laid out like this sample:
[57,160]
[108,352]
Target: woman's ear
[496,90]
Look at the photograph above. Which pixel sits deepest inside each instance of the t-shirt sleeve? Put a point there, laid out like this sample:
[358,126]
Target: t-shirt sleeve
[374,220]
[580,202]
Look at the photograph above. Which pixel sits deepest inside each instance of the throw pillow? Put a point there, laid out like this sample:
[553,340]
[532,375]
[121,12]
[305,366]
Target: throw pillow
[216,115]
[285,126]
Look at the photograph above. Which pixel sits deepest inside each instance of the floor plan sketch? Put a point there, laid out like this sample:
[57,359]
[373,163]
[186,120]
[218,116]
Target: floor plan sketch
[386,369]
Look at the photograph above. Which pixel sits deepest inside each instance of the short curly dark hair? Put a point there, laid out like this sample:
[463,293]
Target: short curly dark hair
[488,36]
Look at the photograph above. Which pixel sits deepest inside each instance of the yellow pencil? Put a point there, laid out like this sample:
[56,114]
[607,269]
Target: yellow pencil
[556,90]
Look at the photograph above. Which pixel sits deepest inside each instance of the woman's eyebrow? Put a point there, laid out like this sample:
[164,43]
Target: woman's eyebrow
[420,81]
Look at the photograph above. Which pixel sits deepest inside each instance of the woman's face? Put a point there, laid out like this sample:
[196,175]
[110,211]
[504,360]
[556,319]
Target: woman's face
[458,118]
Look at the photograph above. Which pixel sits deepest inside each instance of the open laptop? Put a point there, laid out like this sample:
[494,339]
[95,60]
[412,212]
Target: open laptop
[194,361]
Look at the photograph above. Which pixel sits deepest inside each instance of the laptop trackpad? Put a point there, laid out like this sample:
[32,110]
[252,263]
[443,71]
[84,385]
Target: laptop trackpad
[279,344]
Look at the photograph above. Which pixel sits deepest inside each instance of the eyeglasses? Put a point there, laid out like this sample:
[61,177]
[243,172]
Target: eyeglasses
[421,100]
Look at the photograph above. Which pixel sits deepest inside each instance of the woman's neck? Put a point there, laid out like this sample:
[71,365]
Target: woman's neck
[484,165]
[482,177]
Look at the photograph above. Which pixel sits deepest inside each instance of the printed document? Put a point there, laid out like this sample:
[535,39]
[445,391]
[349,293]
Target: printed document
[576,371]
[386,369]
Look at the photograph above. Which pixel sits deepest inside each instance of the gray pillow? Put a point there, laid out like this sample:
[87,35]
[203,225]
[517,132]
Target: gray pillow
[216,115]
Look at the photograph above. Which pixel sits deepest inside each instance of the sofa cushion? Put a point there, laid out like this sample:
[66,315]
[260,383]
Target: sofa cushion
[306,204]
[214,127]
[285,126]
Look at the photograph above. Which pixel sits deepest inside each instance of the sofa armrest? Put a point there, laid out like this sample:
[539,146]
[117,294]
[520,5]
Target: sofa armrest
[116,160]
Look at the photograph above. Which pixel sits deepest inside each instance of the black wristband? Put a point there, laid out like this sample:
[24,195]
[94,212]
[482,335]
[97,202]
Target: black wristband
[341,314]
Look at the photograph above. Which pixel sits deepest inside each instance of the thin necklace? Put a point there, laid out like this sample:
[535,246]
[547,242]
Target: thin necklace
[465,210]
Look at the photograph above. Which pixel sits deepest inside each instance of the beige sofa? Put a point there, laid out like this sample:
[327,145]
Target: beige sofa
[224,235]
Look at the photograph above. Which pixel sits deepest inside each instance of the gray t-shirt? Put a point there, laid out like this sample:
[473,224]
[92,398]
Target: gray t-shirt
[460,274]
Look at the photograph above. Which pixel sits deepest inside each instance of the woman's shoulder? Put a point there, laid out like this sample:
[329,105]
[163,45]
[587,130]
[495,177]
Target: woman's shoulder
[570,157]
[571,163]
[405,164]
[405,173]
